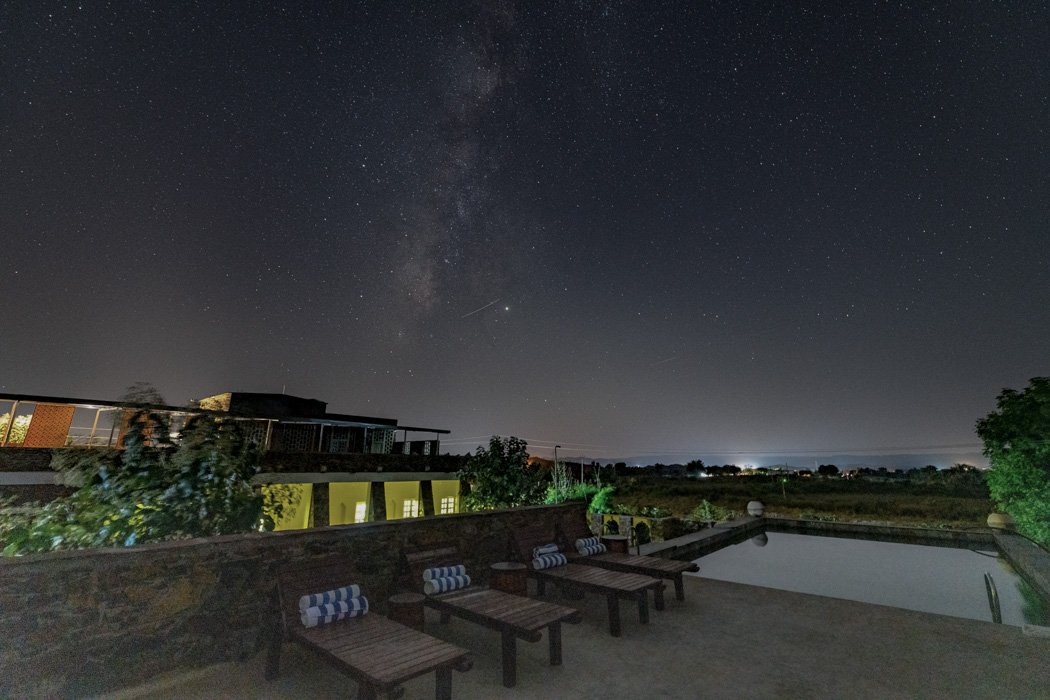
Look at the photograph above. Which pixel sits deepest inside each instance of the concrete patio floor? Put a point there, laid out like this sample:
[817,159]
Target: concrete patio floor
[726,640]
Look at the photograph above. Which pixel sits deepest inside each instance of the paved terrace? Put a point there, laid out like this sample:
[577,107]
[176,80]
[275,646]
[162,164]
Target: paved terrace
[726,640]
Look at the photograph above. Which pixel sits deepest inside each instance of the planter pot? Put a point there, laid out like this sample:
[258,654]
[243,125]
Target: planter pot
[1001,521]
[755,508]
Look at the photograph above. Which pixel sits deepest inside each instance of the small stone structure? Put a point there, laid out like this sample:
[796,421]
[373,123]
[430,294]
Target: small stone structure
[83,622]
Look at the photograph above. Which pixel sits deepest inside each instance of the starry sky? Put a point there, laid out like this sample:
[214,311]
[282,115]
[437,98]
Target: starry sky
[733,231]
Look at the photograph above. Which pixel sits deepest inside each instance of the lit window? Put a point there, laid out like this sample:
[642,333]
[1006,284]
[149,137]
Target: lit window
[361,512]
[411,509]
[448,505]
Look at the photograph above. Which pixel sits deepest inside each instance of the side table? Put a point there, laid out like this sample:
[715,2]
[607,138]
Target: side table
[407,608]
[615,543]
[509,577]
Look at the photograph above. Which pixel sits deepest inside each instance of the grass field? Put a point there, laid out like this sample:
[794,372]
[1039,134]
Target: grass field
[815,498]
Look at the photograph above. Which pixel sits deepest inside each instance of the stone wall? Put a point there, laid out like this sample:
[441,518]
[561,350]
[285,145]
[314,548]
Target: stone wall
[79,623]
[25,459]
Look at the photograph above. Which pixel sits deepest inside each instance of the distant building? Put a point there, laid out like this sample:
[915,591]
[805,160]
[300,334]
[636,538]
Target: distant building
[326,465]
[280,422]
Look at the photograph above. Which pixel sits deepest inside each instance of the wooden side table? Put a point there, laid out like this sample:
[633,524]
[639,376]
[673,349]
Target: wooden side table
[615,543]
[509,577]
[407,608]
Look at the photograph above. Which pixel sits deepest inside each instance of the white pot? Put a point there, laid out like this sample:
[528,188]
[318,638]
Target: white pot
[1001,521]
[755,508]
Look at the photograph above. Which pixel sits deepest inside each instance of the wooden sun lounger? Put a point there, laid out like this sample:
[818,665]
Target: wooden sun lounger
[573,529]
[612,584]
[378,653]
[513,616]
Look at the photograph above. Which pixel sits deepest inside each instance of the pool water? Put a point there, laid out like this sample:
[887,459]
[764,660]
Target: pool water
[916,577]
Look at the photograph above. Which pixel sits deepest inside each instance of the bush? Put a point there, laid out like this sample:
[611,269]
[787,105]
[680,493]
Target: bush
[151,491]
[1017,443]
[602,501]
[500,477]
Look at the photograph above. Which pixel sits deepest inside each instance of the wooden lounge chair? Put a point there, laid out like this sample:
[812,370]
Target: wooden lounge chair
[513,616]
[612,584]
[378,653]
[572,529]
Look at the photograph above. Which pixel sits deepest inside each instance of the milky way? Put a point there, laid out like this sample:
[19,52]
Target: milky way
[710,230]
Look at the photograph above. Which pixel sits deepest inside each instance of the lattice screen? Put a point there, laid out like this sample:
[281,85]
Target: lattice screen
[382,441]
[255,431]
[295,438]
[50,426]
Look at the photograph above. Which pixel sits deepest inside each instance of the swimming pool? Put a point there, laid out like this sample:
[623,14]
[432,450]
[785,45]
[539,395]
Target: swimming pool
[940,580]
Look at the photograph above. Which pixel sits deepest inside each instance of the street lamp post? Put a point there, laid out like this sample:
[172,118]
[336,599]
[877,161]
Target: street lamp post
[556,472]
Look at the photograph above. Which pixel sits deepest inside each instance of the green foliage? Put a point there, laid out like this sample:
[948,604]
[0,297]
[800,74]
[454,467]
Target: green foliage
[602,501]
[650,511]
[1017,443]
[500,477]
[572,492]
[709,511]
[704,511]
[18,431]
[153,490]
[563,489]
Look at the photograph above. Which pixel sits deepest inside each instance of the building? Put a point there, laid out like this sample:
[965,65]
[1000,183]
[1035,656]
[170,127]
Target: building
[328,468]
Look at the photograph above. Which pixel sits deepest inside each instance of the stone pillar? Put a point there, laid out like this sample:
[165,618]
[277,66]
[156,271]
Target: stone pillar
[319,508]
[426,494]
[378,501]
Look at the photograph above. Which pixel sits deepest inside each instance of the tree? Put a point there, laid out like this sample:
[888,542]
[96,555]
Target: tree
[499,477]
[142,394]
[1017,443]
[695,467]
[199,487]
[827,470]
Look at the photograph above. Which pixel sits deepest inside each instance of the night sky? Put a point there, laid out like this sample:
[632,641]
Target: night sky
[660,229]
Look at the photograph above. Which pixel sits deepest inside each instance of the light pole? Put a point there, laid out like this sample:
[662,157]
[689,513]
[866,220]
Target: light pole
[556,472]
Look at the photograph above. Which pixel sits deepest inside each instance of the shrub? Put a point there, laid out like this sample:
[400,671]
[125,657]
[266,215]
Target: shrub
[602,501]
[153,490]
[500,477]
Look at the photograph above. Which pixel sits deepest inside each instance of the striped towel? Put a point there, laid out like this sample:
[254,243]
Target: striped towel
[545,561]
[315,599]
[591,549]
[446,584]
[545,549]
[587,542]
[444,572]
[330,612]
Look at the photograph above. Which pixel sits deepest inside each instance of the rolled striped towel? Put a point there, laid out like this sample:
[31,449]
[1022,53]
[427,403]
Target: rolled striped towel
[587,542]
[444,572]
[592,549]
[330,612]
[446,584]
[544,549]
[545,561]
[315,599]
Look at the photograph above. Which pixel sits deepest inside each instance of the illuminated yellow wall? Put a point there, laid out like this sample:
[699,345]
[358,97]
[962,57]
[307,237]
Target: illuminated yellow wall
[297,500]
[345,501]
[397,492]
[444,490]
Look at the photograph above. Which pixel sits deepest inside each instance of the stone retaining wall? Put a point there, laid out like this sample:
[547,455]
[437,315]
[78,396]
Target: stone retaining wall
[959,539]
[25,459]
[79,623]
